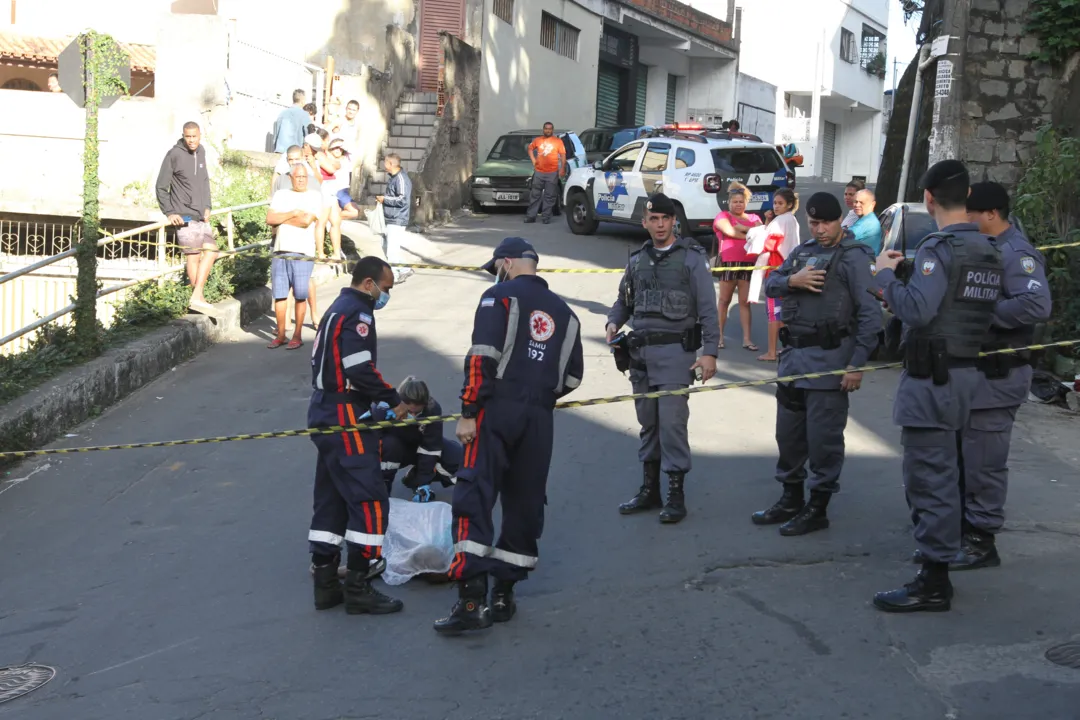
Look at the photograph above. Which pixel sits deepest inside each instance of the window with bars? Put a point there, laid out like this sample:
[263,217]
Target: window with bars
[504,10]
[873,44]
[849,50]
[558,36]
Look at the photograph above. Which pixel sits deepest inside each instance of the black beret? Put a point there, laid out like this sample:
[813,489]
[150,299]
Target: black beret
[943,171]
[987,196]
[660,203]
[824,206]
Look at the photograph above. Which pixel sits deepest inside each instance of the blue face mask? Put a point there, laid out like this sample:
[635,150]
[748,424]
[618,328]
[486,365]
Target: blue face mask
[384,297]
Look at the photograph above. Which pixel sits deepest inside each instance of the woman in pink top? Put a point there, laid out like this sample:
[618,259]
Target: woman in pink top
[730,227]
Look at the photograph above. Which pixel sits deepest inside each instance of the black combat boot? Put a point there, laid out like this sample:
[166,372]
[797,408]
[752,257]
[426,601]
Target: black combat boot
[648,497]
[328,590]
[978,550]
[503,606]
[361,597]
[787,507]
[470,612]
[675,507]
[930,591]
[812,517]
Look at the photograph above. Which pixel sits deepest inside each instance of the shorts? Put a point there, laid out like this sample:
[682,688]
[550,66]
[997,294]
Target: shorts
[288,274]
[772,308]
[734,275]
[194,236]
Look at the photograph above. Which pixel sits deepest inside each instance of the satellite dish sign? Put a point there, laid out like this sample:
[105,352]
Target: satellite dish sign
[72,71]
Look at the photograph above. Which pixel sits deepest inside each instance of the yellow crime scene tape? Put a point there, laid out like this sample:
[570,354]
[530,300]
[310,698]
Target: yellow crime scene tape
[386,424]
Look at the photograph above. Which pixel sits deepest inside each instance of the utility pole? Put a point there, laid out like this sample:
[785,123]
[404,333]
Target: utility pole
[949,48]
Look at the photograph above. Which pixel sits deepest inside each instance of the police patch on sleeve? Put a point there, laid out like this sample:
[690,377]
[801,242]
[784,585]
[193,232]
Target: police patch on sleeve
[873,269]
[487,302]
[1034,284]
[362,329]
[364,317]
[928,267]
[541,326]
[1028,263]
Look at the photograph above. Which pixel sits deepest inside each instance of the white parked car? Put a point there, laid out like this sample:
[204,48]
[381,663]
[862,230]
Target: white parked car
[691,166]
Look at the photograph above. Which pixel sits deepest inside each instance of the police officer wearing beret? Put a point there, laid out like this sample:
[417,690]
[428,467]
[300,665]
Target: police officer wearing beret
[830,322]
[526,354]
[946,308]
[1005,380]
[668,291]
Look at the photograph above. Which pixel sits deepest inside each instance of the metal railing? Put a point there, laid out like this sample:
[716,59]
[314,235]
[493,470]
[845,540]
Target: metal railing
[138,249]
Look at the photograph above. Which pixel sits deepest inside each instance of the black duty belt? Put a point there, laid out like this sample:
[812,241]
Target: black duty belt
[642,339]
[955,363]
[809,341]
[351,398]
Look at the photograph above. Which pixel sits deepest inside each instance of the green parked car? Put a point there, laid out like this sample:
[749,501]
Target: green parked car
[504,179]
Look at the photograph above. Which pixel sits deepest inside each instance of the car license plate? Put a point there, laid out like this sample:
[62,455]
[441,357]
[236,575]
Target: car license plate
[759,198]
[512,197]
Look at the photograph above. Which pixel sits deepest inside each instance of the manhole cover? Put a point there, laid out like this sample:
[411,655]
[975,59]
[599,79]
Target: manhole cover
[18,680]
[1066,655]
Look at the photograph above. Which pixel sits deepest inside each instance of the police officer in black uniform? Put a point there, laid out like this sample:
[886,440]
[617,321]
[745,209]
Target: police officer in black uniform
[669,293]
[526,353]
[830,322]
[433,458]
[351,502]
[946,307]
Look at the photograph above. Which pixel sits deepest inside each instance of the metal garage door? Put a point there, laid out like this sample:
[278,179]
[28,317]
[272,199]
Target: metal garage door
[436,15]
[669,113]
[607,96]
[642,88]
[828,150]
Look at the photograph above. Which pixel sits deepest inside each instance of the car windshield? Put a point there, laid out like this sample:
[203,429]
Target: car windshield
[742,161]
[917,225]
[511,147]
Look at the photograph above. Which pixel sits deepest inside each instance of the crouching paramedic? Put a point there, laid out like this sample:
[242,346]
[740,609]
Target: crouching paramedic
[351,502]
[525,354]
[433,457]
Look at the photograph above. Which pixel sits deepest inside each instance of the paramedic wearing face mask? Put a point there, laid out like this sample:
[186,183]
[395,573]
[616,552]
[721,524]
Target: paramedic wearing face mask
[525,355]
[351,505]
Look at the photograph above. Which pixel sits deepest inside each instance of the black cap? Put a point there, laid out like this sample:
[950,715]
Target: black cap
[942,172]
[511,247]
[660,203]
[824,206]
[986,196]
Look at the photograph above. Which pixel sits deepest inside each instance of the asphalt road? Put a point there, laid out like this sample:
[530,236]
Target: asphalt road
[173,583]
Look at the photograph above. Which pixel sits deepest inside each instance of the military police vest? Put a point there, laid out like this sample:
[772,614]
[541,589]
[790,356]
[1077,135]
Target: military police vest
[662,287]
[828,313]
[975,283]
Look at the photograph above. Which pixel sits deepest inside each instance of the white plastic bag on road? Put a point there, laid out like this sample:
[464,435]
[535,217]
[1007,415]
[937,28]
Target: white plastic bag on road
[417,540]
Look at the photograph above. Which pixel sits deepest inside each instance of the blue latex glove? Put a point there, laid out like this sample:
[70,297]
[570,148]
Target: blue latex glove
[424,494]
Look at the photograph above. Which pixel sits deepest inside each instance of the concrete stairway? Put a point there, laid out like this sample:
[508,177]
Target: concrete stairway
[413,123]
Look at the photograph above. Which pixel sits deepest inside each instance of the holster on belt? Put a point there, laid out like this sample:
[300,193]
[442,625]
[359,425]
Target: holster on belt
[997,365]
[691,339]
[621,352]
[791,397]
[927,358]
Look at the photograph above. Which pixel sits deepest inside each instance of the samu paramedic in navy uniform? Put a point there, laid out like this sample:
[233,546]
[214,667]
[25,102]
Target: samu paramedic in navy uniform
[831,322]
[946,308]
[351,502]
[433,458]
[1005,380]
[526,353]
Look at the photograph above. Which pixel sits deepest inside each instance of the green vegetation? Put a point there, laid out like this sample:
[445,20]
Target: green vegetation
[1048,204]
[1057,25]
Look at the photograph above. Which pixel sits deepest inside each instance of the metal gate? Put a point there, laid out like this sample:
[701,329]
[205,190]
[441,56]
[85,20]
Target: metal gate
[261,84]
[757,121]
[669,111]
[642,89]
[436,16]
[828,150]
[607,96]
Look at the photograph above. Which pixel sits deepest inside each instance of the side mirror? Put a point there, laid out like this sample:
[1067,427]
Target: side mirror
[598,165]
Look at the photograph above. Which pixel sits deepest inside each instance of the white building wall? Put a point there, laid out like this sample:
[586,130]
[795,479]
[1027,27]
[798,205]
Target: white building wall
[524,84]
[712,86]
[656,95]
[755,107]
[663,61]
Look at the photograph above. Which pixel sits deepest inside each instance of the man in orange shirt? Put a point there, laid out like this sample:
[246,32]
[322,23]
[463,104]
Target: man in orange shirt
[548,158]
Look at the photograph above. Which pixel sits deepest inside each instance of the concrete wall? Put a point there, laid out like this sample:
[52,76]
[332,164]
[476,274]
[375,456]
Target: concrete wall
[713,85]
[1007,96]
[662,62]
[752,93]
[524,84]
[858,141]
[441,182]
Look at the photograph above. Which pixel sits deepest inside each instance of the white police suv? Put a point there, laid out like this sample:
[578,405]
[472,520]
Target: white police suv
[691,165]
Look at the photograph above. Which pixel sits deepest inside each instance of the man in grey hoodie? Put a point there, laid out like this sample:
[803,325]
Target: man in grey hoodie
[183,194]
